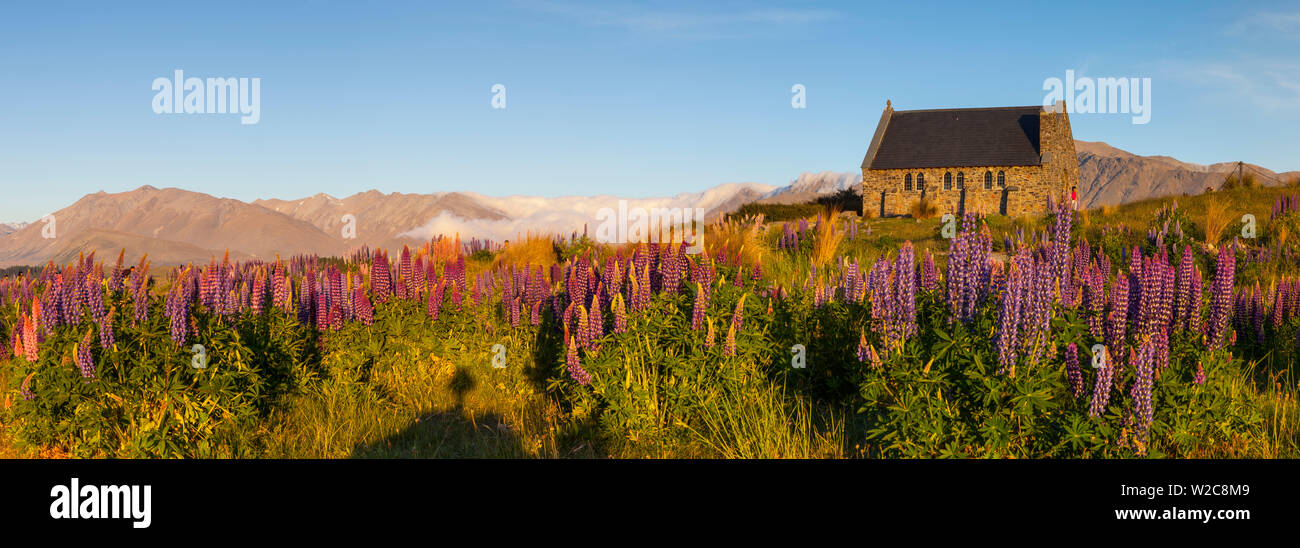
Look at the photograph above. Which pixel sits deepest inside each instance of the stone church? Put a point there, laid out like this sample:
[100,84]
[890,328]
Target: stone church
[1001,160]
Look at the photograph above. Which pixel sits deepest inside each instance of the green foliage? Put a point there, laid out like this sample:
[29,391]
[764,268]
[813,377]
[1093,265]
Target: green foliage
[148,400]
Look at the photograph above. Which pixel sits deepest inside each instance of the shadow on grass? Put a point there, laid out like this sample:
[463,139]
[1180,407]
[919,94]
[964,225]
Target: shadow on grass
[466,432]
[455,433]
[458,433]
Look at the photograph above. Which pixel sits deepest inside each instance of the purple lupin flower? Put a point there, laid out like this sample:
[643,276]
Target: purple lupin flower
[595,325]
[574,367]
[514,308]
[80,299]
[1101,388]
[177,312]
[1060,247]
[956,276]
[1143,411]
[95,299]
[1257,313]
[279,298]
[1041,316]
[701,304]
[1009,319]
[1072,372]
[1221,295]
[227,288]
[581,326]
[969,272]
[670,270]
[257,295]
[1196,302]
[929,274]
[335,316]
[1292,298]
[738,316]
[322,309]
[620,314]
[1117,323]
[1199,379]
[1183,295]
[1094,300]
[380,280]
[115,281]
[881,300]
[435,299]
[85,361]
[404,265]
[851,281]
[361,302]
[905,290]
[643,287]
[106,336]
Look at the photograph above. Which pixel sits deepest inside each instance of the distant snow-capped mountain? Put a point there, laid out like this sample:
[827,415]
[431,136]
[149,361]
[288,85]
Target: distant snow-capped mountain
[809,186]
[10,228]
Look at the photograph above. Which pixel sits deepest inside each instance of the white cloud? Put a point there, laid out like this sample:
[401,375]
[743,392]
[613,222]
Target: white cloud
[563,215]
[682,23]
[1286,25]
[1264,82]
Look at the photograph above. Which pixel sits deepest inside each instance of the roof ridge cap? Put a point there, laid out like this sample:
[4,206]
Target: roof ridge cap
[966,109]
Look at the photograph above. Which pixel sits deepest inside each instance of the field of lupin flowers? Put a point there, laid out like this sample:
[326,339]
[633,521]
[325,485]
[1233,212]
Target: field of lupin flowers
[823,337]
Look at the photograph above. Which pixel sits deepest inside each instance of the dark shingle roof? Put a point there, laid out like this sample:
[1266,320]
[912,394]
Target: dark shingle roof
[1005,136]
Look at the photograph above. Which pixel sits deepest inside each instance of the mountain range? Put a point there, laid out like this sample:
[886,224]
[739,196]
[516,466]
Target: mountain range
[176,226]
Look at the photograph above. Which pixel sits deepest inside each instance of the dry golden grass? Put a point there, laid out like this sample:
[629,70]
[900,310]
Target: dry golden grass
[530,249]
[735,237]
[923,209]
[868,213]
[1216,220]
[827,240]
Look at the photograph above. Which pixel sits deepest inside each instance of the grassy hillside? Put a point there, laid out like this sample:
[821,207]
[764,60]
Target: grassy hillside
[624,351]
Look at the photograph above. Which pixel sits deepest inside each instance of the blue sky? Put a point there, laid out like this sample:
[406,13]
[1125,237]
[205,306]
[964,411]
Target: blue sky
[644,99]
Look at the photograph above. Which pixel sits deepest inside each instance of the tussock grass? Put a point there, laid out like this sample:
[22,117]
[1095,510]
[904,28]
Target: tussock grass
[736,236]
[529,249]
[771,425]
[827,239]
[1216,220]
[923,208]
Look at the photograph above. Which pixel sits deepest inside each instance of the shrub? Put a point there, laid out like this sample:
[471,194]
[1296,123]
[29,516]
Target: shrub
[923,208]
